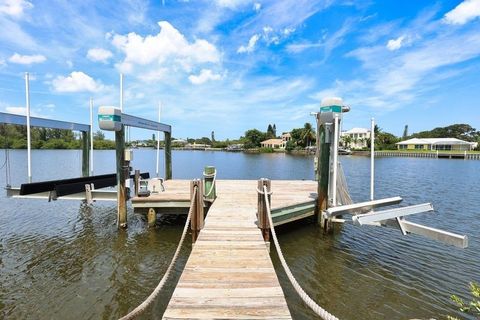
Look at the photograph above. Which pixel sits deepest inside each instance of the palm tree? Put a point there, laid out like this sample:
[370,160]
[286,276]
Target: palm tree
[347,140]
[308,134]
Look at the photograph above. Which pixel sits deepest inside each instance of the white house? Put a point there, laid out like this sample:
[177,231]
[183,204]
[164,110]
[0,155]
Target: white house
[358,138]
[436,144]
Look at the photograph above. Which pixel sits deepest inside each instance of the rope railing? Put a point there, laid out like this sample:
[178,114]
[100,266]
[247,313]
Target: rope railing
[143,306]
[303,295]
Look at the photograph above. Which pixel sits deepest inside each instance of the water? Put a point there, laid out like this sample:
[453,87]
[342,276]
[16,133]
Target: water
[65,260]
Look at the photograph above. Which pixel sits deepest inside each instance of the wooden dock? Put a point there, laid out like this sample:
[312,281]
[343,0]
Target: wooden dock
[229,274]
[291,200]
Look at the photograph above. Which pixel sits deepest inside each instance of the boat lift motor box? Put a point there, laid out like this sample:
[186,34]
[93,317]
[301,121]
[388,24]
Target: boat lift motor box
[109,118]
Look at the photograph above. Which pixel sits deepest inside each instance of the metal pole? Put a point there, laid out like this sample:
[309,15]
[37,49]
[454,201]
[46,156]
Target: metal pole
[121,92]
[335,161]
[372,160]
[29,148]
[158,139]
[91,136]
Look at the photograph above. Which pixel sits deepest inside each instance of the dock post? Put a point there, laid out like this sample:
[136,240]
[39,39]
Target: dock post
[151,217]
[85,153]
[323,170]
[136,182]
[209,173]
[121,176]
[168,155]
[262,209]
[198,217]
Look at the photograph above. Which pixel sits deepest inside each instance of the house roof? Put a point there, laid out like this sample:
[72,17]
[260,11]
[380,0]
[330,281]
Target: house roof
[272,141]
[286,134]
[434,141]
[356,130]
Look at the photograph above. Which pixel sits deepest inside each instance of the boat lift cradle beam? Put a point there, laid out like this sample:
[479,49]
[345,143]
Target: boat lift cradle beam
[93,195]
[8,118]
[355,207]
[85,129]
[396,218]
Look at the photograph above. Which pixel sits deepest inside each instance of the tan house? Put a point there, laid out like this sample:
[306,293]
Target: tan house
[286,136]
[273,143]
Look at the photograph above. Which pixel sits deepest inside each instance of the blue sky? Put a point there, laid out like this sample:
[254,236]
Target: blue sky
[230,65]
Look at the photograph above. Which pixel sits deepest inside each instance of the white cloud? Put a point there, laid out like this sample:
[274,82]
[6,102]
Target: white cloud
[204,76]
[154,75]
[22,111]
[99,55]
[257,6]
[395,44]
[463,13]
[251,45]
[77,81]
[231,4]
[2,62]
[14,8]
[26,59]
[17,110]
[168,48]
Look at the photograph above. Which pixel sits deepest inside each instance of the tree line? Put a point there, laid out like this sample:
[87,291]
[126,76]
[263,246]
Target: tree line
[15,137]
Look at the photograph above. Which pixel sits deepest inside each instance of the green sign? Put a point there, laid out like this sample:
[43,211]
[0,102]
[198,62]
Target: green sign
[331,109]
[109,117]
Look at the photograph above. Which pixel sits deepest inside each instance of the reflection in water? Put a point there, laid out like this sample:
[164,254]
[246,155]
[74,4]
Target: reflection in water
[67,260]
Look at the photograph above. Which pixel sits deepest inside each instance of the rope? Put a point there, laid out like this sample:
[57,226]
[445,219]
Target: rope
[214,175]
[305,297]
[143,306]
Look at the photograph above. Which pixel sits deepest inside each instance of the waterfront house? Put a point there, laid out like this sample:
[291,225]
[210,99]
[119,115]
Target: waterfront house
[286,136]
[273,143]
[449,144]
[356,138]
[277,143]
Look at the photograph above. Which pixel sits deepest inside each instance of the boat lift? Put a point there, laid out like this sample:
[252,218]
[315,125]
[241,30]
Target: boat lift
[332,210]
[87,187]
[113,119]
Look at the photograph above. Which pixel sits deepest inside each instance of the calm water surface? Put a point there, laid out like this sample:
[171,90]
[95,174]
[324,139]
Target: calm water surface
[66,260]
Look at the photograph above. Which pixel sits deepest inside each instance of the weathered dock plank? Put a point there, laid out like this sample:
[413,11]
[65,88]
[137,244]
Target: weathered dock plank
[229,274]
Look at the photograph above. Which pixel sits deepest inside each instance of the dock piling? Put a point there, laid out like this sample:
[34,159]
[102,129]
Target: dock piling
[137,182]
[168,155]
[261,208]
[209,175]
[151,217]
[121,176]
[323,171]
[85,153]
[198,215]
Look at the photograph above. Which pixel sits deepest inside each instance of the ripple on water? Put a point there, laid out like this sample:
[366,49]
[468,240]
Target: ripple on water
[66,260]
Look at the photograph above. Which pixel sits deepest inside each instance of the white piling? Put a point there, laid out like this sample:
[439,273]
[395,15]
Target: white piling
[91,136]
[335,161]
[29,147]
[372,160]
[121,92]
[158,140]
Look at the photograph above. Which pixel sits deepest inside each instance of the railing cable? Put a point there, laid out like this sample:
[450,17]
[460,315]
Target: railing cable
[305,297]
[143,306]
